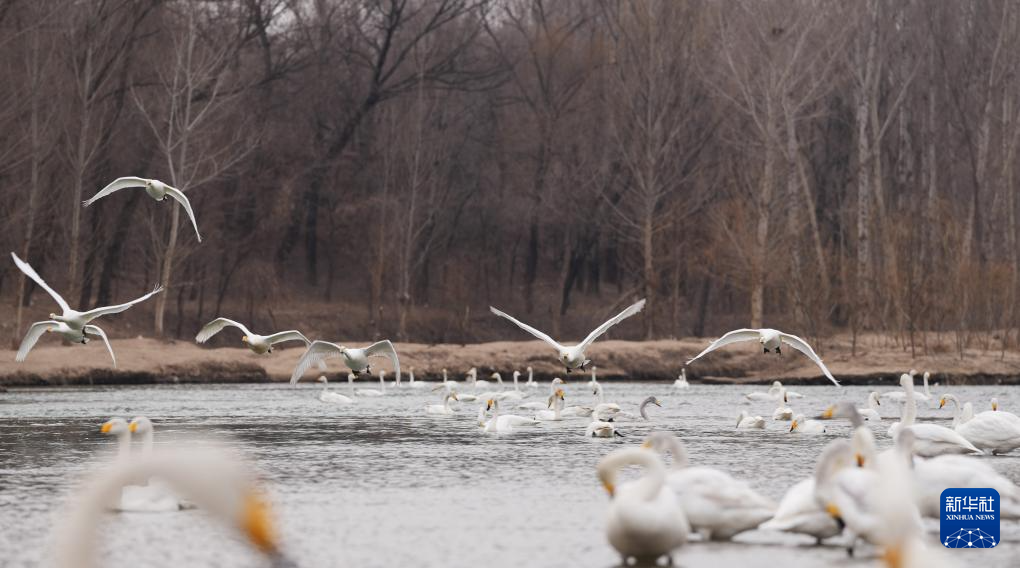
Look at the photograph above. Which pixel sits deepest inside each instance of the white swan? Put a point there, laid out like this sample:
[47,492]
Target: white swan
[937,474]
[782,412]
[412,383]
[992,431]
[646,402]
[442,409]
[156,190]
[769,395]
[871,412]
[900,396]
[504,423]
[531,384]
[259,344]
[681,382]
[511,395]
[554,386]
[604,410]
[332,397]
[716,504]
[645,519]
[221,487]
[149,498]
[746,421]
[572,356]
[447,383]
[804,426]
[373,392]
[72,325]
[930,440]
[769,339]
[800,513]
[594,379]
[600,428]
[355,359]
[556,414]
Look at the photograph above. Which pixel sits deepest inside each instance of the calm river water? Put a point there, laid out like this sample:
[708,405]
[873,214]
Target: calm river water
[380,483]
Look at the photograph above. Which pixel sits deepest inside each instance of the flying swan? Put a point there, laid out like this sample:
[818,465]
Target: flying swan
[770,339]
[156,190]
[355,359]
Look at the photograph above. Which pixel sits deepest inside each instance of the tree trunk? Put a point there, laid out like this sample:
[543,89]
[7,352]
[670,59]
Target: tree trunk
[761,235]
[648,258]
[165,268]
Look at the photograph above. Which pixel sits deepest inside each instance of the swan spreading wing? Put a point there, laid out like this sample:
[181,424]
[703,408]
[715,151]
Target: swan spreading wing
[34,333]
[802,346]
[93,314]
[115,185]
[317,351]
[96,330]
[291,335]
[528,329]
[633,309]
[384,349]
[31,273]
[183,200]
[215,326]
[731,337]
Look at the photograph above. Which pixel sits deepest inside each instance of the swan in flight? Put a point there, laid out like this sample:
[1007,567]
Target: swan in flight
[71,324]
[355,359]
[992,431]
[645,519]
[871,412]
[646,402]
[156,190]
[333,397]
[805,426]
[782,412]
[769,339]
[259,344]
[716,504]
[572,356]
[222,487]
[681,382]
[746,421]
[930,439]
[504,423]
[443,409]
[556,414]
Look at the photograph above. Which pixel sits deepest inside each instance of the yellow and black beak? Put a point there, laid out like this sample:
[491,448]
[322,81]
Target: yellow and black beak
[106,427]
[860,460]
[454,397]
[942,402]
[995,406]
[827,415]
[488,404]
[244,339]
[610,488]
[793,425]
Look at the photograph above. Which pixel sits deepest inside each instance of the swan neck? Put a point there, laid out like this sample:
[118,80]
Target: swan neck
[147,443]
[909,407]
[648,486]
[124,446]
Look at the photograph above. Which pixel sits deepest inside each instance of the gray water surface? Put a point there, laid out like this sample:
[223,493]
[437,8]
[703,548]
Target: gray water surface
[380,483]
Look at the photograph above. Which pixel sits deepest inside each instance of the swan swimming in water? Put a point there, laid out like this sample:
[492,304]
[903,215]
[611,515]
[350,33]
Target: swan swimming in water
[681,382]
[900,396]
[992,431]
[600,428]
[333,397]
[716,504]
[782,412]
[149,498]
[504,423]
[443,409]
[556,402]
[415,384]
[929,439]
[604,410]
[769,339]
[745,421]
[645,403]
[805,426]
[373,392]
[871,412]
[645,518]
[531,379]
[594,380]
[573,356]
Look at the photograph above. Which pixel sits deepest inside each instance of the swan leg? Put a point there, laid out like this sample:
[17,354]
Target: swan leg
[778,351]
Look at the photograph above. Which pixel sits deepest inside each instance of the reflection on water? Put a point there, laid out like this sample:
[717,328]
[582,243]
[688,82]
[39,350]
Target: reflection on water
[380,483]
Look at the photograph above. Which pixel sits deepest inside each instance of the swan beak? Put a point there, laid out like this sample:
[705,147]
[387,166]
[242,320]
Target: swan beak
[995,406]
[105,428]
[942,402]
[893,557]
[610,488]
[829,412]
[656,403]
[860,460]
[488,404]
[257,525]
[833,511]
[647,444]
[132,427]
[785,398]
[454,397]
[793,425]
[244,339]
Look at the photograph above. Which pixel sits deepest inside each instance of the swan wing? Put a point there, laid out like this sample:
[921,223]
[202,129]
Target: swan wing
[802,346]
[31,273]
[93,314]
[102,334]
[734,336]
[215,326]
[291,335]
[528,329]
[183,200]
[631,310]
[316,352]
[117,184]
[34,333]
[384,349]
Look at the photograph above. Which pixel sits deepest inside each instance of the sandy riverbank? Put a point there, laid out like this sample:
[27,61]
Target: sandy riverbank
[143,361]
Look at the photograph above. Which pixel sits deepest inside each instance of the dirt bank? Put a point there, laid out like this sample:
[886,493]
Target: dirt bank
[146,361]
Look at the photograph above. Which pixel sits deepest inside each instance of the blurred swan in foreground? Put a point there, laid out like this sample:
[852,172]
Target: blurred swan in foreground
[151,496]
[769,339]
[156,190]
[219,485]
[993,431]
[717,505]
[930,439]
[746,421]
[259,344]
[72,325]
[442,409]
[332,397]
[573,356]
[355,359]
[645,519]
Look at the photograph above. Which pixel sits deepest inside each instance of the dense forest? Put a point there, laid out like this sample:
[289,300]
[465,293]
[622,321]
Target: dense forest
[392,167]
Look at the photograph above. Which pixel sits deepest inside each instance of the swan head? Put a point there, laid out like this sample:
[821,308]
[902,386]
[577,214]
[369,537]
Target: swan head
[490,404]
[140,425]
[556,381]
[324,380]
[496,377]
[528,369]
[53,317]
[244,339]
[559,394]
[995,404]
[907,381]
[517,374]
[797,421]
[652,400]
[114,426]
[875,398]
